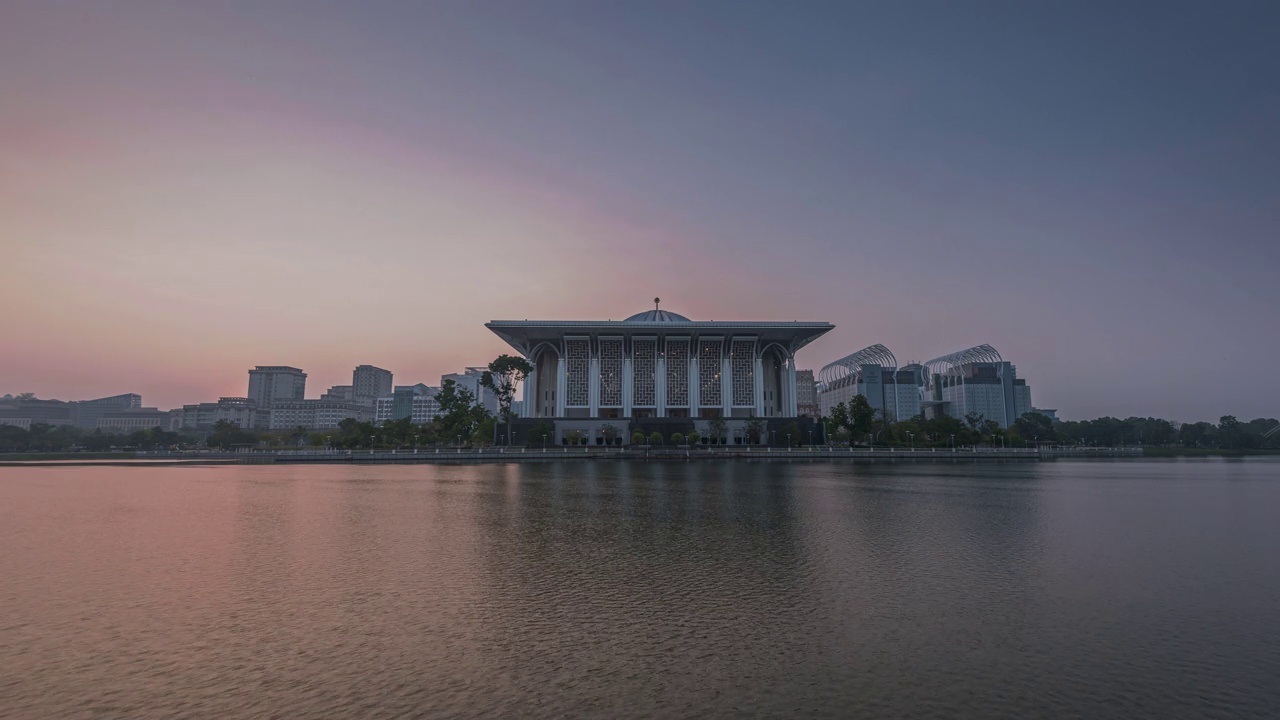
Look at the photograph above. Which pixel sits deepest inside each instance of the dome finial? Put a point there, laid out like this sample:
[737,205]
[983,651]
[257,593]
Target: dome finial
[655,303]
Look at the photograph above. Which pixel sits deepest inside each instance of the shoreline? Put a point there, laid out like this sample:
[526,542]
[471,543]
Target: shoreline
[509,455]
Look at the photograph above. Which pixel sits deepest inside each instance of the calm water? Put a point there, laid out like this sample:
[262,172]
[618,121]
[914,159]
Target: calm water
[1062,589]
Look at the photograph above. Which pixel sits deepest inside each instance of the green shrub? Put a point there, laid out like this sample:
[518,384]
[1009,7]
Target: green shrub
[695,437]
[677,438]
[637,438]
[655,438]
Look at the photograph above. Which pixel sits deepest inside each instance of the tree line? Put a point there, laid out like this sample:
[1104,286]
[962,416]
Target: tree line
[856,422]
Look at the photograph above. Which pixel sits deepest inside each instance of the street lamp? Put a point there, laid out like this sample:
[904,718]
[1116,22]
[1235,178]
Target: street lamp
[953,441]
[911,438]
[544,442]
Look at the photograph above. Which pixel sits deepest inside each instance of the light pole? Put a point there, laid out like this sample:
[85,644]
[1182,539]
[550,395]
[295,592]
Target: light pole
[788,441]
[953,442]
[773,437]
[911,438]
[544,442]
[371,444]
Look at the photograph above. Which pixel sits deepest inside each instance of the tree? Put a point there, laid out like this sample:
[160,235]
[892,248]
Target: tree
[717,428]
[610,433]
[695,437]
[538,434]
[228,435]
[1033,426]
[755,430]
[792,433]
[459,415]
[655,438]
[637,438]
[839,420]
[503,375]
[861,415]
[973,420]
[677,438]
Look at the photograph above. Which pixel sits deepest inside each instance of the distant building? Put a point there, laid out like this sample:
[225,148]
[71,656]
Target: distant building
[873,373]
[271,383]
[131,420]
[417,403]
[806,394]
[976,381]
[469,378]
[370,383]
[243,412]
[26,413]
[1051,414]
[316,414]
[85,413]
[344,393]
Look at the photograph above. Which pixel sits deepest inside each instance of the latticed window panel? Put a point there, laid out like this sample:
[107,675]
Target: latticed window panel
[677,373]
[644,363]
[742,363]
[709,394]
[611,372]
[577,355]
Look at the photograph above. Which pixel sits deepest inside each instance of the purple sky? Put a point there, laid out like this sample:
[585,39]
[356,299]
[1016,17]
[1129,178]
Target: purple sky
[188,189]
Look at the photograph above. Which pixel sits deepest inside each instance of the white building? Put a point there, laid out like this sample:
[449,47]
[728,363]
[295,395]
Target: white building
[270,383]
[340,392]
[978,382]
[873,373]
[657,369]
[317,414]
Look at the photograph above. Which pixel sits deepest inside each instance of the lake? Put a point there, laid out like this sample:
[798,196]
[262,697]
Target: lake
[1085,589]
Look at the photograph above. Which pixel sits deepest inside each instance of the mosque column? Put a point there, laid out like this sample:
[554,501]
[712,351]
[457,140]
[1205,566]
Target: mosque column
[628,381]
[758,386]
[660,385]
[694,398]
[593,377]
[793,409]
[562,384]
[726,381]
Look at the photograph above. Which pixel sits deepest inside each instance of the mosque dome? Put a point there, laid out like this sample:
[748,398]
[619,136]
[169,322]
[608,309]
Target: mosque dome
[657,315]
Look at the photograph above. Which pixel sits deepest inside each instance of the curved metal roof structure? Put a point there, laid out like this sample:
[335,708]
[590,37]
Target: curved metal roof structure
[952,365]
[657,315]
[848,368]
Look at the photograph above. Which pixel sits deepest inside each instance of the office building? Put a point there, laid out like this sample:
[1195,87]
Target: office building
[873,373]
[469,379]
[243,412]
[806,394]
[975,382]
[271,383]
[370,383]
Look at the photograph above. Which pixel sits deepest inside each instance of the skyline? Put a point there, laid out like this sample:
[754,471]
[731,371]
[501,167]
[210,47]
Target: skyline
[186,193]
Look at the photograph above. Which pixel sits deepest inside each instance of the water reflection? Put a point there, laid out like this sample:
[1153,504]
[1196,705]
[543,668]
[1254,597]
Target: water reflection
[641,589]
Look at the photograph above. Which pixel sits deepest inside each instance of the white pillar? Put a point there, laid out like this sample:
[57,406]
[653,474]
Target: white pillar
[793,409]
[593,385]
[758,382]
[562,384]
[627,383]
[694,400]
[660,385]
[726,383]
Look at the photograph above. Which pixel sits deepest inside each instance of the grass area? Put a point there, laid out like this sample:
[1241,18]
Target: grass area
[1206,452]
[20,457]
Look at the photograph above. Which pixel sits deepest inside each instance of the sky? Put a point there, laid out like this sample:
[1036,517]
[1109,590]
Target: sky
[189,189]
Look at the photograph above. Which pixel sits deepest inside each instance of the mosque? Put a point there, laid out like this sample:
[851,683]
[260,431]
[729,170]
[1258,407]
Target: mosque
[657,370]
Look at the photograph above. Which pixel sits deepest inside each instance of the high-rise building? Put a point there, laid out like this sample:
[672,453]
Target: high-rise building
[976,382]
[369,383]
[271,383]
[469,378]
[873,373]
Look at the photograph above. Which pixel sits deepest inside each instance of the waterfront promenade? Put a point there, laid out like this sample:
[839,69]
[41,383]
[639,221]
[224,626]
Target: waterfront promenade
[506,455]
